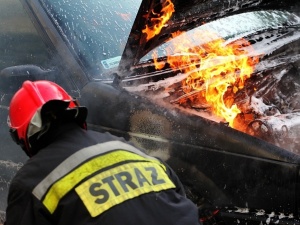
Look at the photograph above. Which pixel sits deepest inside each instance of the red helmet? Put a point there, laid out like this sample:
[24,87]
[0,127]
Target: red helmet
[27,101]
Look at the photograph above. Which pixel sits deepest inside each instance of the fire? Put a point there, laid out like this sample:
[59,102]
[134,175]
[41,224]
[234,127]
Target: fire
[216,71]
[158,20]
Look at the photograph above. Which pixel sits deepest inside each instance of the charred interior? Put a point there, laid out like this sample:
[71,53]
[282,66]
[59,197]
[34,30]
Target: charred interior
[268,101]
[248,79]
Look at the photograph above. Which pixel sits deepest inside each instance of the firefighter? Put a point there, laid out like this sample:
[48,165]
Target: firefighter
[77,176]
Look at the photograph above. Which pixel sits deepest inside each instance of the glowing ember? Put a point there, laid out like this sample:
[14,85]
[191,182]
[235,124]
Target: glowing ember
[216,71]
[158,20]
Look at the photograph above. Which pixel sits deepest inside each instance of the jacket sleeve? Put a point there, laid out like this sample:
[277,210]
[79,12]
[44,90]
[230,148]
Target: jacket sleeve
[173,176]
[23,208]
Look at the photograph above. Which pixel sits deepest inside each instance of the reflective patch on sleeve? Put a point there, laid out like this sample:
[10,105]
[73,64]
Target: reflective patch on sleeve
[79,157]
[122,183]
[60,188]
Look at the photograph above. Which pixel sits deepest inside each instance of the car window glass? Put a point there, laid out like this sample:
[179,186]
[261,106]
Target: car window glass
[96,30]
[20,44]
[19,41]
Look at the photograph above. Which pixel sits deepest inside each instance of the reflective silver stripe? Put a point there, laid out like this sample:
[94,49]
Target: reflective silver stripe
[77,158]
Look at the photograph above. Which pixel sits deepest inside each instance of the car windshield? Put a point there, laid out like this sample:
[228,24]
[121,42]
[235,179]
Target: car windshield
[96,30]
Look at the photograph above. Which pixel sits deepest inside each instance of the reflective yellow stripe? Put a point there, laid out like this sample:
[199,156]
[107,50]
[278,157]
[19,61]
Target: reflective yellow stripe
[67,183]
[120,184]
[80,157]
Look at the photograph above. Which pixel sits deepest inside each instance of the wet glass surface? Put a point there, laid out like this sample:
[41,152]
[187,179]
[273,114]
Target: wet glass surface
[96,30]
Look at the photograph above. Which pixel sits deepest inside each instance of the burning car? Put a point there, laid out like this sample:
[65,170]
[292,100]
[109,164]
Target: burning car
[211,87]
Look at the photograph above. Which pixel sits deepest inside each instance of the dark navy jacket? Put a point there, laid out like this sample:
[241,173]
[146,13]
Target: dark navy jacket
[86,177]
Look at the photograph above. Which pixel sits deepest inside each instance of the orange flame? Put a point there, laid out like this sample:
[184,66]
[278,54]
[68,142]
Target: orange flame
[158,65]
[158,21]
[216,71]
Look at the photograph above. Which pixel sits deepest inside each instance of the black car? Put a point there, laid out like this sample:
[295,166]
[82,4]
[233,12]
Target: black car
[136,64]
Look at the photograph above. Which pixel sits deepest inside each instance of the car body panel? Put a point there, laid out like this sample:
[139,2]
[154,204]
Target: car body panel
[230,169]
